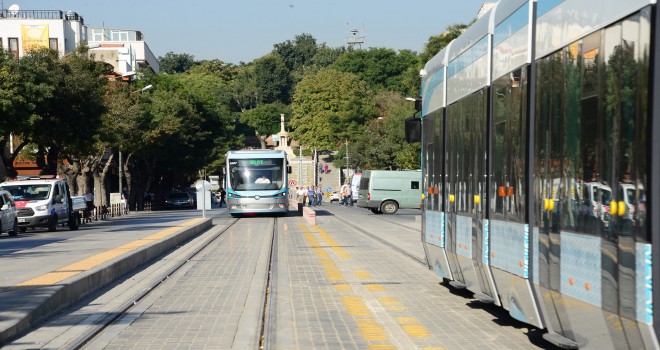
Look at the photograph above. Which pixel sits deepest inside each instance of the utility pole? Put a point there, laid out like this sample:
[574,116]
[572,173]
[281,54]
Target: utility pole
[348,168]
[300,169]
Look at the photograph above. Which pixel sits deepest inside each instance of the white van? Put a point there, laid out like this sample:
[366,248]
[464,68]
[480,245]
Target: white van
[42,203]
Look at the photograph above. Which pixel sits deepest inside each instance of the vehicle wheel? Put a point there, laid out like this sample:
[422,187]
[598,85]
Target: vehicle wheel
[22,229]
[74,221]
[389,207]
[376,211]
[14,230]
[52,224]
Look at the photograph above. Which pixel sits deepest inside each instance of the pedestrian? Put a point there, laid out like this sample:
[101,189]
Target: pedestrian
[325,168]
[89,200]
[319,195]
[304,192]
[223,193]
[342,195]
[124,200]
[349,195]
[311,193]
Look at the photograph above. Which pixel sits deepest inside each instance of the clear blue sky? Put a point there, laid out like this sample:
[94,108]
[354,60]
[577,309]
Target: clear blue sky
[243,30]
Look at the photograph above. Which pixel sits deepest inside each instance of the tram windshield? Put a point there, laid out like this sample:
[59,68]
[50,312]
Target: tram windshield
[256,174]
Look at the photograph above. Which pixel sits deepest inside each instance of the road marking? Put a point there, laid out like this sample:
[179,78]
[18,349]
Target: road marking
[59,275]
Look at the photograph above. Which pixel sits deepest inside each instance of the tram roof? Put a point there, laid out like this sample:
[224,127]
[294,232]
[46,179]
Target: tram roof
[252,153]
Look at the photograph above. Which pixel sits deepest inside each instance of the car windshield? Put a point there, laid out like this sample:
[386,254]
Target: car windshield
[178,196]
[28,192]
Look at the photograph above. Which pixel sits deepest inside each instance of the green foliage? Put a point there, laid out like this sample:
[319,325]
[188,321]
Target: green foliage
[265,119]
[297,53]
[176,62]
[272,79]
[225,71]
[381,68]
[438,42]
[330,106]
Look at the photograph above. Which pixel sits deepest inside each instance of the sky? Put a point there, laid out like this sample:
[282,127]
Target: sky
[243,30]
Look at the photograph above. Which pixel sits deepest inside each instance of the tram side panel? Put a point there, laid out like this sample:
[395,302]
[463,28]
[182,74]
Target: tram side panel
[510,240]
[590,147]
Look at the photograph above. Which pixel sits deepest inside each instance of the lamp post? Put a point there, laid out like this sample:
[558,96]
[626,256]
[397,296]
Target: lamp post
[348,169]
[300,169]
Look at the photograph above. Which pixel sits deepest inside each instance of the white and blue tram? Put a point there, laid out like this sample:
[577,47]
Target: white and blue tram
[541,167]
[257,182]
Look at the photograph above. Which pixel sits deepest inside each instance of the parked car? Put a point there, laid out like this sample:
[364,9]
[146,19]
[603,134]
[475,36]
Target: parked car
[335,196]
[179,200]
[8,215]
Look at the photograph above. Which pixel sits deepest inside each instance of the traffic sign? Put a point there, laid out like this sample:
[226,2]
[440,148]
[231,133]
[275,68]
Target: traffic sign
[293,182]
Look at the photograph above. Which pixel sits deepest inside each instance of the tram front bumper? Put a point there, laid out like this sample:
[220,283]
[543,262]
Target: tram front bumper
[261,205]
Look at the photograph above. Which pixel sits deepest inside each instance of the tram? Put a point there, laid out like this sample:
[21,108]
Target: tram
[541,167]
[257,182]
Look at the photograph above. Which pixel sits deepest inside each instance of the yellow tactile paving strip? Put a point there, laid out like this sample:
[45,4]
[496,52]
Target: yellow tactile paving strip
[83,265]
[370,329]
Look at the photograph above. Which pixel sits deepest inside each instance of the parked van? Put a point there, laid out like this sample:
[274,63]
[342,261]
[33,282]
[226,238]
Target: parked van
[385,191]
[44,202]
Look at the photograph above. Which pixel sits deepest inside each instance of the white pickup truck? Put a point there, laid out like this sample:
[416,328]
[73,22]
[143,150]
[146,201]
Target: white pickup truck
[42,202]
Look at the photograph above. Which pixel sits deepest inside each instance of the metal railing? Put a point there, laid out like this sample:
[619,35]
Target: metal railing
[40,14]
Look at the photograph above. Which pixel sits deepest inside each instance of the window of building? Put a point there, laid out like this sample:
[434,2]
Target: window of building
[52,42]
[13,46]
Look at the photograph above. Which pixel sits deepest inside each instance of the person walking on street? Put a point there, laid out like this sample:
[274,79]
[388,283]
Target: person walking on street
[223,193]
[311,193]
[342,194]
[349,195]
[304,191]
[319,195]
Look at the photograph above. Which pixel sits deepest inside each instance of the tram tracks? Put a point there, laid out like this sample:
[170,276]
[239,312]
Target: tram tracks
[109,318]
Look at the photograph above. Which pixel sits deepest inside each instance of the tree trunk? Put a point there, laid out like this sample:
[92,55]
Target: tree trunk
[100,193]
[70,173]
[51,160]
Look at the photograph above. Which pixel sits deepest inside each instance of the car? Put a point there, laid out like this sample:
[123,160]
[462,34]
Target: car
[8,214]
[179,200]
[335,196]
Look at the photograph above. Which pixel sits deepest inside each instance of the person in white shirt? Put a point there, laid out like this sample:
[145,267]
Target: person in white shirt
[262,180]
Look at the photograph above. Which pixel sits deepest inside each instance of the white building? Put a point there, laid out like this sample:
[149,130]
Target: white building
[125,50]
[22,30]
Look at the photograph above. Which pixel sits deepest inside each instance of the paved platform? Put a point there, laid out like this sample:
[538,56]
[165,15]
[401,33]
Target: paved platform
[334,286]
[43,272]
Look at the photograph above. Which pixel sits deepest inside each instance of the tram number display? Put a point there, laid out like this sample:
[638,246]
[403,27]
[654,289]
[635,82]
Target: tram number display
[256,162]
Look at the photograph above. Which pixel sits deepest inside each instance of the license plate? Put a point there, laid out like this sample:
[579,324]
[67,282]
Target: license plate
[22,220]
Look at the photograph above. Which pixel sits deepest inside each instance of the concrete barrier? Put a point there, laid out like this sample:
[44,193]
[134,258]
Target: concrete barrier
[307,213]
[46,300]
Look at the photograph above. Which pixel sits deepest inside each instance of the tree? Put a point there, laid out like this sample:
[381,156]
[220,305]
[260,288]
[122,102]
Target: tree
[67,91]
[14,108]
[329,107]
[272,79]
[265,119]
[225,71]
[176,62]
[297,53]
[381,68]
[438,42]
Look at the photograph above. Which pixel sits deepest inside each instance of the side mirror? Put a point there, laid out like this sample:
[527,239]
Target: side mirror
[288,169]
[413,129]
[5,207]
